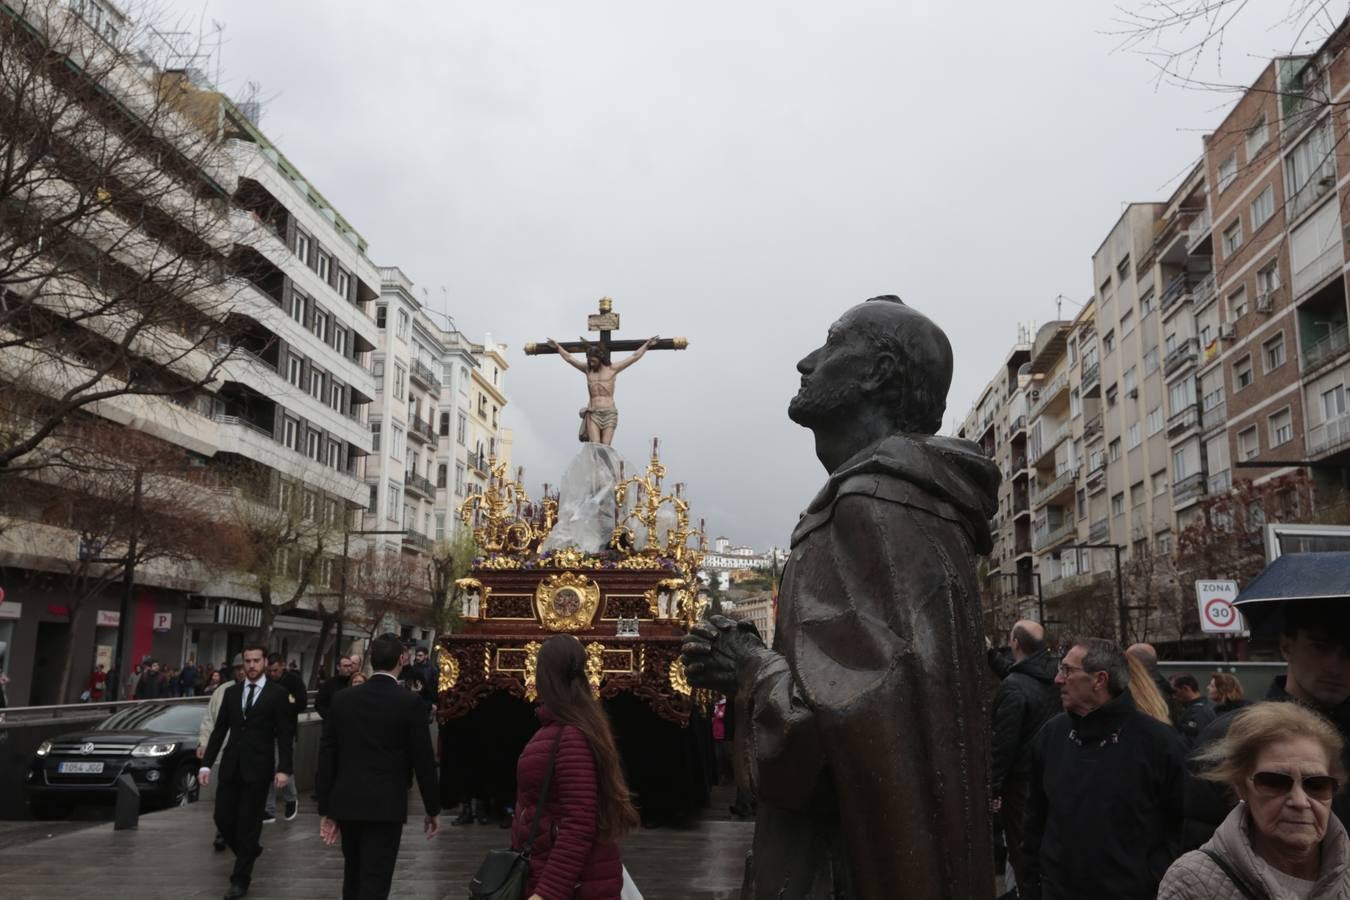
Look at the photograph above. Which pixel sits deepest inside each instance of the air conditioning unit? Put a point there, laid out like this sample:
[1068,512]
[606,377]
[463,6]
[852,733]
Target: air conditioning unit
[1133,393]
[1265,302]
[1227,331]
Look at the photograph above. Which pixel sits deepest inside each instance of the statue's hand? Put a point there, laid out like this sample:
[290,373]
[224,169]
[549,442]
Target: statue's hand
[713,650]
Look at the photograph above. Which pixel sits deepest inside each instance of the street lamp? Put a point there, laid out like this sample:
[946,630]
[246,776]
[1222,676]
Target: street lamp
[342,581]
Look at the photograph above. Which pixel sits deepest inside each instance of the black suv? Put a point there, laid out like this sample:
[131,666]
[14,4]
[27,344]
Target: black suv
[154,743]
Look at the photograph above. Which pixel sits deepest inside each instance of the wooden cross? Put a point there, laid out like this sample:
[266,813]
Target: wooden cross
[606,322]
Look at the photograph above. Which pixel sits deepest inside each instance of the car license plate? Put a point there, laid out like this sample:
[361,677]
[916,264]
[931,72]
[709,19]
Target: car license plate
[80,768]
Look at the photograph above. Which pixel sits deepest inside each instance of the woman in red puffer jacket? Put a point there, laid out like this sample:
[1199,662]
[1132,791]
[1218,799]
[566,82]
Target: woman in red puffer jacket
[576,854]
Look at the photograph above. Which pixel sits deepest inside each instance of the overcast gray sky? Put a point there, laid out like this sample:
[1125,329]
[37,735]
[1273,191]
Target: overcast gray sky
[737,173]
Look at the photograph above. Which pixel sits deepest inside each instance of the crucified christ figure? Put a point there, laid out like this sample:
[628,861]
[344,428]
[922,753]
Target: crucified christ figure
[600,416]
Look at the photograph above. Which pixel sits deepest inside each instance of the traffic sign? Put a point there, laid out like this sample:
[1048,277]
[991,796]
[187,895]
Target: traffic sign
[163,621]
[1217,613]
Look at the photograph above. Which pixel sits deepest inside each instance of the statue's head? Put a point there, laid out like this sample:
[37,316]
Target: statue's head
[880,359]
[596,357]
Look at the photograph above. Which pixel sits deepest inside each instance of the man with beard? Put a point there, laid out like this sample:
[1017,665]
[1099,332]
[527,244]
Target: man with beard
[863,732]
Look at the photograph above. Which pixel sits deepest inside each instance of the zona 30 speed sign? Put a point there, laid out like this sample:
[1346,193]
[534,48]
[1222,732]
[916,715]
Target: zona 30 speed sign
[1217,613]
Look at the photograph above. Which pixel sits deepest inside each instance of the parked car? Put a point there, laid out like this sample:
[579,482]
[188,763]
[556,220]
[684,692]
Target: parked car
[154,743]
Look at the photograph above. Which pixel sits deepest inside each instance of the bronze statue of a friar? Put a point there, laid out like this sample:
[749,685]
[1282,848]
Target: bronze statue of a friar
[863,732]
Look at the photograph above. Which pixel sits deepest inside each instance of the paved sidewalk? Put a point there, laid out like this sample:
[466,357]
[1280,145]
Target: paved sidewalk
[169,857]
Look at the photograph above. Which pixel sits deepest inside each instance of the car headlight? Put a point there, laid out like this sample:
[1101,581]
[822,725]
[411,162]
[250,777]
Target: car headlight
[44,748]
[153,749]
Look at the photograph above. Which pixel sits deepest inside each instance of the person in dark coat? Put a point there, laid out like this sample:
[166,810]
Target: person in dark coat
[1225,693]
[371,739]
[1027,698]
[255,716]
[324,698]
[189,677]
[864,730]
[1194,712]
[152,684]
[575,853]
[297,700]
[1104,810]
[1315,642]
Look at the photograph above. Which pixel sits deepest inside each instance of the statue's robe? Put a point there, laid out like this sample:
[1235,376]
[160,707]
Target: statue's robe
[867,738]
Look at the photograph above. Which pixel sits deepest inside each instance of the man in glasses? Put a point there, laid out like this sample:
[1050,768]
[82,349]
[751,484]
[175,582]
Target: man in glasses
[1315,642]
[1104,808]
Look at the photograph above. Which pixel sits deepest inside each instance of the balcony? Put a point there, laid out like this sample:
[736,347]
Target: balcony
[1049,392]
[1093,428]
[1330,435]
[479,463]
[1185,353]
[1096,477]
[1076,582]
[1220,483]
[1215,416]
[1018,425]
[1042,446]
[415,540]
[1099,532]
[1047,534]
[421,429]
[1182,422]
[423,373]
[1055,489]
[1198,232]
[1092,380]
[416,483]
[1190,488]
[1020,506]
[1323,351]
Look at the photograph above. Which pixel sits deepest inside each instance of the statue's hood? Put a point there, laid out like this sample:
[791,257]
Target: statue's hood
[952,470]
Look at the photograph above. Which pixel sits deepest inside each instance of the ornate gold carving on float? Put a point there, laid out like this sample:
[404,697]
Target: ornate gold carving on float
[448,673]
[531,667]
[595,665]
[567,602]
[502,516]
[678,681]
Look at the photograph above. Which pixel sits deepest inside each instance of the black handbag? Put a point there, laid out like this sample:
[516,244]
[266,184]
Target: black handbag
[502,875]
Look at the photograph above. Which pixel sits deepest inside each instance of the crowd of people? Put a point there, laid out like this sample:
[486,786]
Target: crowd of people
[1113,781]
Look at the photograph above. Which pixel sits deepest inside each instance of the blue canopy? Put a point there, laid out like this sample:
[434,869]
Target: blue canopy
[1300,576]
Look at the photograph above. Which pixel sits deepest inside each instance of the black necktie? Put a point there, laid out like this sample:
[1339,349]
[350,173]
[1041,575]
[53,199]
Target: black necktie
[248,703]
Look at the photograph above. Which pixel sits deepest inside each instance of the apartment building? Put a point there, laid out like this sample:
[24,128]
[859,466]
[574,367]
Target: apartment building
[998,423]
[436,421]
[278,421]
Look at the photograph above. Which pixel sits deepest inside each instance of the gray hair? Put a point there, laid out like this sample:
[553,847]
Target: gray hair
[1104,656]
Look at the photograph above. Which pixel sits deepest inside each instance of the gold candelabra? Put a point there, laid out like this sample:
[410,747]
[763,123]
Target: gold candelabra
[502,516]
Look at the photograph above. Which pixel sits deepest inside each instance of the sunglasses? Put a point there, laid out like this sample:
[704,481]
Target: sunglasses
[1318,787]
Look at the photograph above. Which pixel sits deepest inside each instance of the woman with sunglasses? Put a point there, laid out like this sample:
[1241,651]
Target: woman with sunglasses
[1281,841]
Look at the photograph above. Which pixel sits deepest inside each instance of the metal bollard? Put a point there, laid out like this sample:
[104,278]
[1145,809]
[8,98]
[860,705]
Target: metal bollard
[128,811]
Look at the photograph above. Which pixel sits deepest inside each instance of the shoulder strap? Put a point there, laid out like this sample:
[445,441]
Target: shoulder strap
[543,794]
[1233,876]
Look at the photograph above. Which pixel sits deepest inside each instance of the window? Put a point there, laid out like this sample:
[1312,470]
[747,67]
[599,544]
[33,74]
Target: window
[1108,343]
[464,380]
[325,266]
[1132,436]
[1159,482]
[396,442]
[297,307]
[334,455]
[312,444]
[377,369]
[1180,465]
[400,379]
[1123,268]
[1118,504]
[1309,168]
[1237,304]
[1151,362]
[375,437]
[1114,448]
[374,496]
[1281,428]
[1111,396]
[1206,335]
[1257,136]
[1170,342]
[1073,352]
[1147,303]
[302,245]
[1273,352]
[1137,494]
[336,397]
[320,324]
[1082,504]
[440,525]
[1248,443]
[1129,380]
[1263,207]
[1232,237]
[444,429]
[1075,403]
[1212,398]
[295,371]
[403,322]
[1227,172]
[461,426]
[381,315]
[316,384]
[1127,324]
[290,431]
[1242,373]
[1155,421]
[309,504]
[442,472]
[459,479]
[391,502]
[1333,403]
[1268,279]
[1181,395]
[344,283]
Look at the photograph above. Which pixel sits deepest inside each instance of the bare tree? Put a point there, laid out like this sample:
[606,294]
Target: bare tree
[450,561]
[115,282]
[389,584]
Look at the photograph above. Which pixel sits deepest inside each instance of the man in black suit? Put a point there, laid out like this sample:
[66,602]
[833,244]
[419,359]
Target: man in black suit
[373,736]
[256,716]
